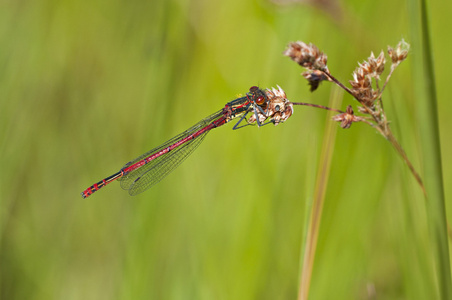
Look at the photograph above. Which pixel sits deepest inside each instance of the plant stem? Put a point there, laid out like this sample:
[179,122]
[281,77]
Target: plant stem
[340,84]
[318,106]
[390,137]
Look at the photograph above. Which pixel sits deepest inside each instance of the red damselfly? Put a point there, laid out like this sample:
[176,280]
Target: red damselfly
[265,106]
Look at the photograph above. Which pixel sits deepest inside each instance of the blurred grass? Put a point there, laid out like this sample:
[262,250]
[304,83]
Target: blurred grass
[310,238]
[87,86]
[431,151]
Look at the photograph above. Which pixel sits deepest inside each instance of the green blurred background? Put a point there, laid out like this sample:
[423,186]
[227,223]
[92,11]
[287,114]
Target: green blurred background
[86,86]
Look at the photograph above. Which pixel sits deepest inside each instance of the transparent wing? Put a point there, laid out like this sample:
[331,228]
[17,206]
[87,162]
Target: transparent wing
[155,170]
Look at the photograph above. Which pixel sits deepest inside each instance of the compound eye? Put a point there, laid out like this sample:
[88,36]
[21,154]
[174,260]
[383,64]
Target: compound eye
[260,100]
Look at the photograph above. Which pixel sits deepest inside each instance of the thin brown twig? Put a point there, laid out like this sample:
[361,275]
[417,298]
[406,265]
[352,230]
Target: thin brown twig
[390,137]
[340,84]
[318,106]
[387,80]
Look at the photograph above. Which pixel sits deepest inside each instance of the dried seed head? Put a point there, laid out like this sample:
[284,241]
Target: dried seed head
[279,109]
[361,79]
[374,66]
[253,118]
[279,92]
[366,96]
[307,56]
[347,118]
[314,78]
[400,53]
[365,110]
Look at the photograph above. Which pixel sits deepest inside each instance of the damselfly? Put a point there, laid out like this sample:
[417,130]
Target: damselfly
[265,106]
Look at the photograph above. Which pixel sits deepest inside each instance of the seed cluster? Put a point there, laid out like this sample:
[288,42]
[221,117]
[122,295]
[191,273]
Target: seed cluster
[365,87]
